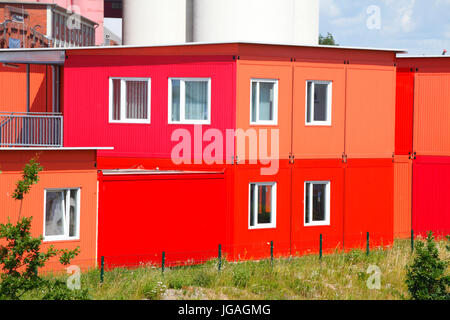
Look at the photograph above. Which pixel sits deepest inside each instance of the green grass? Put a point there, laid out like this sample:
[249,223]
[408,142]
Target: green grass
[336,276]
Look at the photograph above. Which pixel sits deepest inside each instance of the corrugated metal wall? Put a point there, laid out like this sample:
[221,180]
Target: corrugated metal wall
[402,196]
[86,108]
[431,185]
[404,112]
[432,114]
[62,169]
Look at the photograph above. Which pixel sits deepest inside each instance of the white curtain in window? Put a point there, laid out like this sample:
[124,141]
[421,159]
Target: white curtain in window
[196,100]
[266,101]
[137,100]
[54,214]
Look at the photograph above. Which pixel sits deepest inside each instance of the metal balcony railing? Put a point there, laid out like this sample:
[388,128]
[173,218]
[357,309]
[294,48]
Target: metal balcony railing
[31,129]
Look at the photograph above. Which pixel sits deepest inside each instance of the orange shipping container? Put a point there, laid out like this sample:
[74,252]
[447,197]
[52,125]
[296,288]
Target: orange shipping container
[431,136]
[63,170]
[402,196]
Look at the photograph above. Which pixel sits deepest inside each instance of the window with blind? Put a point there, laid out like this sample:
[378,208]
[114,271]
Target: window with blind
[189,101]
[129,100]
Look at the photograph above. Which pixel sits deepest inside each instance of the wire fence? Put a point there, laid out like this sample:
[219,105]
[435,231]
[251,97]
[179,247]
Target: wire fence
[264,250]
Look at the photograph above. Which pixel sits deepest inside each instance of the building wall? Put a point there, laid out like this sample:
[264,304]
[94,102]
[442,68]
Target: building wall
[402,196]
[91,9]
[86,108]
[62,169]
[139,218]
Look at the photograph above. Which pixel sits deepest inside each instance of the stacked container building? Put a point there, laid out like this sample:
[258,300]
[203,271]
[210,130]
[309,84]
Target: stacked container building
[422,146]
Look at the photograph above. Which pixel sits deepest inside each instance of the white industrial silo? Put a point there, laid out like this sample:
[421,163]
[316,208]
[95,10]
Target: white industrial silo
[276,21]
[148,22]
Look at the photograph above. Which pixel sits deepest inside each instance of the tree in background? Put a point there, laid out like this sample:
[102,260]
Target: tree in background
[20,253]
[328,40]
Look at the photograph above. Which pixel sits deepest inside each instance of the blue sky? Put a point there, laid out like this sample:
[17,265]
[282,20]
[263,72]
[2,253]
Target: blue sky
[420,26]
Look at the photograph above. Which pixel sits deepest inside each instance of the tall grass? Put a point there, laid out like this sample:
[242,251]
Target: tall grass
[336,276]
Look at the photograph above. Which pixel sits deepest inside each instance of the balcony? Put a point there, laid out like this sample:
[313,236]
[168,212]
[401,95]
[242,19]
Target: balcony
[31,130]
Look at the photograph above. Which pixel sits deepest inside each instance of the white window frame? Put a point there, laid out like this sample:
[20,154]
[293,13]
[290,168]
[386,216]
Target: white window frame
[123,100]
[273,202]
[66,236]
[258,122]
[326,222]
[329,103]
[183,101]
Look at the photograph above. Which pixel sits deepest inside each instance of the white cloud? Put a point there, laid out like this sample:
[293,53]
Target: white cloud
[330,8]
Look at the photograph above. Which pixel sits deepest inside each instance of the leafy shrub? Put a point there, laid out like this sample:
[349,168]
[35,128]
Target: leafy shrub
[425,277]
[58,290]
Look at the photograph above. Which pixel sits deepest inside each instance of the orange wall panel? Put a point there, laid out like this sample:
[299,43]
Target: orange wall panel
[315,142]
[432,114]
[370,112]
[281,71]
[402,196]
[66,176]
[13,84]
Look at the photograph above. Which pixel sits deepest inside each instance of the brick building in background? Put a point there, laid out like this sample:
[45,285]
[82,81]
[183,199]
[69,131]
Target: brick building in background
[90,9]
[40,25]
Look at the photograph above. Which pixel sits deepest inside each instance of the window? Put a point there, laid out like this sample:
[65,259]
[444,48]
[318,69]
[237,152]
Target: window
[317,203]
[189,101]
[62,214]
[262,205]
[318,103]
[264,102]
[129,100]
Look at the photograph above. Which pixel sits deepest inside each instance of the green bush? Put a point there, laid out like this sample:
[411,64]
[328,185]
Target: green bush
[425,277]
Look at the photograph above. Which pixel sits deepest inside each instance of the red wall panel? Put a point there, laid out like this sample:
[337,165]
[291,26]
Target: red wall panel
[404,112]
[86,109]
[140,216]
[255,243]
[431,189]
[369,204]
[306,239]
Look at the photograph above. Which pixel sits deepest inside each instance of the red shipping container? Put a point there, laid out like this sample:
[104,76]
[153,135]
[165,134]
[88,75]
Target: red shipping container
[142,215]
[431,189]
[305,238]
[369,189]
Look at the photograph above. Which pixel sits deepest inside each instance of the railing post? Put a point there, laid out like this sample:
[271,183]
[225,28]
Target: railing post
[102,270]
[320,247]
[368,244]
[412,240]
[220,257]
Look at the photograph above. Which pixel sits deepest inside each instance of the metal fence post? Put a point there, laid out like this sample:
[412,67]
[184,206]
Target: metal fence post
[368,244]
[102,270]
[320,247]
[271,252]
[220,257]
[163,262]
[412,240]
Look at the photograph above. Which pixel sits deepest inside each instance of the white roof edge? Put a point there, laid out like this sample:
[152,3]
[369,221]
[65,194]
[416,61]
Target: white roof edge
[422,56]
[56,149]
[205,43]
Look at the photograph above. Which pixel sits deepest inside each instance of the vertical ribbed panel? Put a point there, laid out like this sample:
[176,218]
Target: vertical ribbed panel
[432,114]
[404,112]
[62,169]
[402,196]
[431,189]
[86,102]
